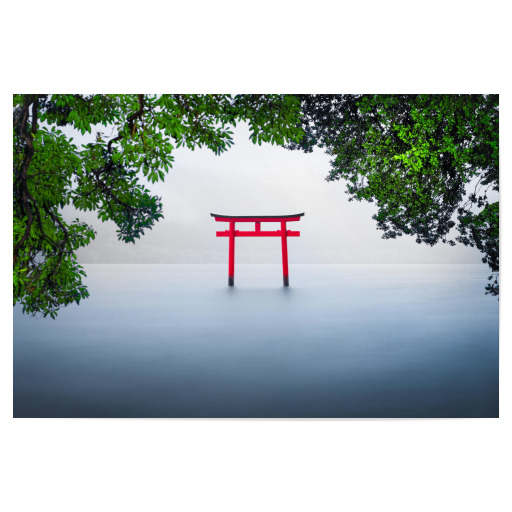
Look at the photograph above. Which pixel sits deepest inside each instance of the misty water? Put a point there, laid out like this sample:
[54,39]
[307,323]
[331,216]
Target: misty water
[341,341]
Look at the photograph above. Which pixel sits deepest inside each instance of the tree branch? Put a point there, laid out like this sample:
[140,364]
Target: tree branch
[29,153]
[130,121]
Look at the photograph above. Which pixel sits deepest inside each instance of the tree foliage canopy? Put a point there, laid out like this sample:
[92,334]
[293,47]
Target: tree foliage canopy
[428,162]
[108,175]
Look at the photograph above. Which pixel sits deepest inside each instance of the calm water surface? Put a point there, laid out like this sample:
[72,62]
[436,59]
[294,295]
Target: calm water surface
[341,341]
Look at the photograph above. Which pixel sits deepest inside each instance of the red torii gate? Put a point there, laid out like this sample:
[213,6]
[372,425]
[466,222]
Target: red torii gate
[257,219]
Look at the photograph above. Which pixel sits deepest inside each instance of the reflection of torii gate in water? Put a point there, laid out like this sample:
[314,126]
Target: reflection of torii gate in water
[257,219]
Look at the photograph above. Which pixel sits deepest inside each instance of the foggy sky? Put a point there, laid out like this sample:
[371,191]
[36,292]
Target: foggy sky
[265,180]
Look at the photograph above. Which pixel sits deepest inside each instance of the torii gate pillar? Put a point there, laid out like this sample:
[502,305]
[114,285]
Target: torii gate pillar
[231,268]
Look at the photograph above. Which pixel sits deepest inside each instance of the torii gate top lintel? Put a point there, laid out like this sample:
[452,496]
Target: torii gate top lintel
[257,219]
